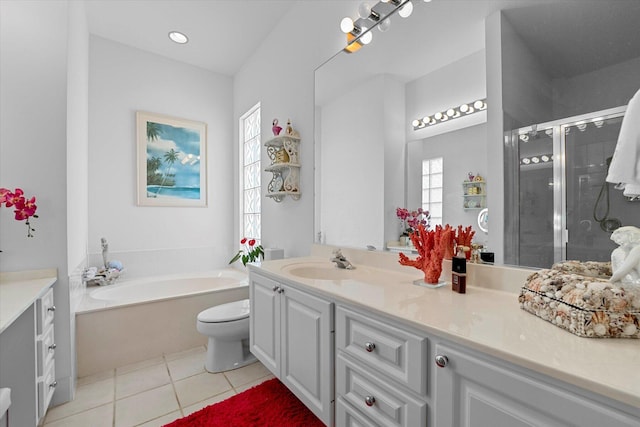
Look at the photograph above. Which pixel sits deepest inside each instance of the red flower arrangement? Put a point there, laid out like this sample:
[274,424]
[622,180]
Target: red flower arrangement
[24,208]
[412,219]
[253,252]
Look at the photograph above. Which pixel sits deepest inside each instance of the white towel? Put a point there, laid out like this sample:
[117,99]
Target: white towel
[625,165]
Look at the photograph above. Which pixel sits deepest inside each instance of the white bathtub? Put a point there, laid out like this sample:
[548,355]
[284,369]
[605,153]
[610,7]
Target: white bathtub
[139,319]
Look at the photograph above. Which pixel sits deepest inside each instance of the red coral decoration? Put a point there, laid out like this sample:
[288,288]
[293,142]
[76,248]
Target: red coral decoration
[448,241]
[464,237]
[430,252]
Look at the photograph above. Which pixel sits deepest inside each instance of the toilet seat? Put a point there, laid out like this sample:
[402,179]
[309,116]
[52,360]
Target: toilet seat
[228,312]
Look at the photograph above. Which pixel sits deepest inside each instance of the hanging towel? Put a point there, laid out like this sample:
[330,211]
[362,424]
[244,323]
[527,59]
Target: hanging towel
[625,165]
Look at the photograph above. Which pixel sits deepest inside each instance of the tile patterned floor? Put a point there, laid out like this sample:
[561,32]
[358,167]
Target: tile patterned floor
[153,392]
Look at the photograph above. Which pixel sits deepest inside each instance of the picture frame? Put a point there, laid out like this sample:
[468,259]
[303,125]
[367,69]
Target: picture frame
[172,161]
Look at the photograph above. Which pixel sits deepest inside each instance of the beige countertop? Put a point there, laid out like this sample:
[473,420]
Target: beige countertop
[19,290]
[484,319]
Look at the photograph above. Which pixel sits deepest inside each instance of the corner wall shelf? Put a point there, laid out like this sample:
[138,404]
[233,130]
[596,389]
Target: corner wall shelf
[474,194]
[283,151]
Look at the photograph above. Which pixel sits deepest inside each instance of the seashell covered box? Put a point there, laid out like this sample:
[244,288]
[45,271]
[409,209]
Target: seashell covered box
[578,297]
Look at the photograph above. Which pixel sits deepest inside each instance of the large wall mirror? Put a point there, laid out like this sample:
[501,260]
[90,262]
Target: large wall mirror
[550,63]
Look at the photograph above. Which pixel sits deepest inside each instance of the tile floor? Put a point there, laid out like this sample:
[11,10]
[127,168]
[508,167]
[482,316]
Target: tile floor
[153,392]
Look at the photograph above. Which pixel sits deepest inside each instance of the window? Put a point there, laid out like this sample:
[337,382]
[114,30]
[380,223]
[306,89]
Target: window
[432,178]
[250,222]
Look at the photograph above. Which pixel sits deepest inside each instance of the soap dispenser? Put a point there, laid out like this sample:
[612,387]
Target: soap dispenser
[459,270]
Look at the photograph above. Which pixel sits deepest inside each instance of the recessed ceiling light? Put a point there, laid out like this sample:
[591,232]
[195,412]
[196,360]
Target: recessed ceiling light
[178,37]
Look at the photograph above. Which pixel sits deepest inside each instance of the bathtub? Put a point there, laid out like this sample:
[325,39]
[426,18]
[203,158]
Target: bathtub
[140,319]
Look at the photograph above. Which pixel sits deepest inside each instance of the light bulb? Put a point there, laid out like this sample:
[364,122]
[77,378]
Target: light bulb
[384,25]
[346,25]
[545,158]
[451,112]
[464,108]
[366,39]
[416,123]
[427,120]
[364,10]
[526,161]
[438,116]
[178,37]
[427,1]
[406,10]
[479,105]
[535,159]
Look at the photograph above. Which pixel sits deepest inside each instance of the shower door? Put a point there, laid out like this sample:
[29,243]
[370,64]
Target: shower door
[558,205]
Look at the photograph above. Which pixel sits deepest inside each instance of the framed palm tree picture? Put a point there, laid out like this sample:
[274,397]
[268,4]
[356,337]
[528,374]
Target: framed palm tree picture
[172,161]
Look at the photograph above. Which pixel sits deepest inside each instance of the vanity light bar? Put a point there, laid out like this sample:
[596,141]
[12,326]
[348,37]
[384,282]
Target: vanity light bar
[358,31]
[450,114]
[533,160]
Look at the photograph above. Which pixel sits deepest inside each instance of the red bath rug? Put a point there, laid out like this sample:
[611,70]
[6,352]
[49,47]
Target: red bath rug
[269,404]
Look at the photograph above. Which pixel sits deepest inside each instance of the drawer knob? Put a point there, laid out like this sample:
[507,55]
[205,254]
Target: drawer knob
[281,290]
[442,360]
[276,288]
[53,384]
[369,346]
[369,400]
[52,308]
[52,347]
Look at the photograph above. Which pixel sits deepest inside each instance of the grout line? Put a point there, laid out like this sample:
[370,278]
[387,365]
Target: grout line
[173,385]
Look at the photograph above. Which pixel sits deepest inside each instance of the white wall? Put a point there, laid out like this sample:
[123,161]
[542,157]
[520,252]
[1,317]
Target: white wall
[155,240]
[33,147]
[280,75]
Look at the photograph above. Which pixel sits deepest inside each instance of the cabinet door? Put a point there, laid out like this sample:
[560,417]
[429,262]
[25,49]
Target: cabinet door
[478,392]
[264,338]
[307,350]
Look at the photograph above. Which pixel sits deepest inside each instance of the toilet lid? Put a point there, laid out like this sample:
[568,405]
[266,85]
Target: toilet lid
[225,312]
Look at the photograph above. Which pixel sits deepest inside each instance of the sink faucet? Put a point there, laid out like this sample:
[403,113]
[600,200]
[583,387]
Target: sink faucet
[341,261]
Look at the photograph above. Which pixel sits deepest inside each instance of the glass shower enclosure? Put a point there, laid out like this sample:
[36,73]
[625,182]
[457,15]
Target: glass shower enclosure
[557,203]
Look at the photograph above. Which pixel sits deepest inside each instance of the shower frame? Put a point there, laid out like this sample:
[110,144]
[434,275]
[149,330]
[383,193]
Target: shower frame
[512,181]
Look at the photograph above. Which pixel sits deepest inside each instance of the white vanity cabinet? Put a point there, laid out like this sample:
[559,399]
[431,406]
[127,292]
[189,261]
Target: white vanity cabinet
[291,333]
[45,351]
[475,390]
[381,377]
[27,343]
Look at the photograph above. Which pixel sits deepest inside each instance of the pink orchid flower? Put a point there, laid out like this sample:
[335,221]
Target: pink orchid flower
[14,198]
[25,208]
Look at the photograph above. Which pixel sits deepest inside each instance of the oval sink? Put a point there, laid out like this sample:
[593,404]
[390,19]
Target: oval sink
[320,272]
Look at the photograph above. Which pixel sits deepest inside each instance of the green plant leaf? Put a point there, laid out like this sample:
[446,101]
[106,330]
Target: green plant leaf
[236,257]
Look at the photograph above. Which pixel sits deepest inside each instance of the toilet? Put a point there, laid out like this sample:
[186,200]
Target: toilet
[227,327]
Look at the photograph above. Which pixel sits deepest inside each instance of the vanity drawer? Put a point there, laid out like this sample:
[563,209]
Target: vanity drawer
[347,416]
[390,350]
[46,387]
[46,350]
[45,311]
[377,400]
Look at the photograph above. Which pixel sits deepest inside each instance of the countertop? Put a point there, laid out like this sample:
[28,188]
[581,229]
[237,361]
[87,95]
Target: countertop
[487,320]
[19,290]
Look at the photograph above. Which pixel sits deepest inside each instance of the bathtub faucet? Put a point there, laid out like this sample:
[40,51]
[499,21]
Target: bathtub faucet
[105,250]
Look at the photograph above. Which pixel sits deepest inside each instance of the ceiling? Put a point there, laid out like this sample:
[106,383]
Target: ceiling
[608,28]
[222,33]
